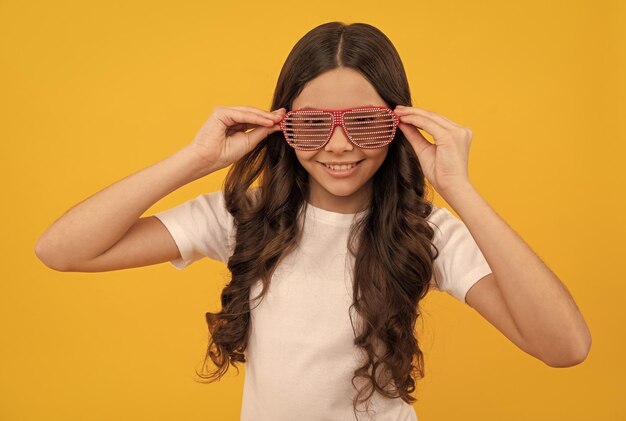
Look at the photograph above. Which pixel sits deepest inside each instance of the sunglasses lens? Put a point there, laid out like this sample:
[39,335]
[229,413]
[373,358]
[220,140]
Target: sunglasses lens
[370,128]
[367,128]
[307,130]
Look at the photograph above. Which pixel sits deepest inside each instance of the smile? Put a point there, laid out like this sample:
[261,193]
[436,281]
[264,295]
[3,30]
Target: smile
[340,170]
[342,167]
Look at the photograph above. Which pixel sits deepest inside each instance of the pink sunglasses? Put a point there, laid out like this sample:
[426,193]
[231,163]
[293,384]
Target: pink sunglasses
[366,127]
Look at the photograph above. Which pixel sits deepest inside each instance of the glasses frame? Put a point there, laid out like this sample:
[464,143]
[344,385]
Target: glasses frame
[337,120]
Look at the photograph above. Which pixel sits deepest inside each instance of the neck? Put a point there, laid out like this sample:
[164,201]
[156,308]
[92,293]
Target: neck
[354,203]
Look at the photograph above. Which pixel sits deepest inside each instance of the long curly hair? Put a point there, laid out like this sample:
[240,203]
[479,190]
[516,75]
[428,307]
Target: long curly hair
[391,274]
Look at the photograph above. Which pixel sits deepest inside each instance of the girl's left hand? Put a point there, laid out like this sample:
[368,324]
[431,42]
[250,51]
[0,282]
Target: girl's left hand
[444,163]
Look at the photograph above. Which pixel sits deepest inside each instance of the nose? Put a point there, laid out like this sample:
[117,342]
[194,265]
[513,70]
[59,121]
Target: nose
[338,141]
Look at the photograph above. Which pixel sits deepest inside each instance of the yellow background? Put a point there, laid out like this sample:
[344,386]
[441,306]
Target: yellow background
[94,91]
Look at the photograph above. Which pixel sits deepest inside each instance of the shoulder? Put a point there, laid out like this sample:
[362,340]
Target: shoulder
[439,215]
[449,229]
[217,199]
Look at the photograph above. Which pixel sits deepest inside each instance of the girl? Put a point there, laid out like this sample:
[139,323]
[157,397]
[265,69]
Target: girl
[332,252]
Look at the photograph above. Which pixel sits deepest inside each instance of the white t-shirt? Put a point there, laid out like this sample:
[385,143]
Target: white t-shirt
[301,355]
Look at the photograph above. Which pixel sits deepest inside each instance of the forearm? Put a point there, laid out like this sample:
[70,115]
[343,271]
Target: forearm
[92,226]
[541,306]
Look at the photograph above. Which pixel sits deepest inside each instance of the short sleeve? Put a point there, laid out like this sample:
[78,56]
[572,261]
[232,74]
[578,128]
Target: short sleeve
[200,227]
[460,263]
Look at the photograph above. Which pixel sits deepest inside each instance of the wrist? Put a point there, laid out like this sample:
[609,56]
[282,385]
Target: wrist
[456,190]
[199,165]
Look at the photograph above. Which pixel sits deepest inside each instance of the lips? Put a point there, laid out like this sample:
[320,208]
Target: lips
[341,173]
[341,163]
[342,167]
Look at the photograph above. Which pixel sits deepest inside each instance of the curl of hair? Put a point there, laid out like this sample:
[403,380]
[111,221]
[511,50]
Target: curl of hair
[391,273]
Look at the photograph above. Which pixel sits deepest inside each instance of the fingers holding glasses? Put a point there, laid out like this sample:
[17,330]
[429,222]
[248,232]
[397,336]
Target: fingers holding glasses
[420,121]
[404,110]
[275,116]
[224,137]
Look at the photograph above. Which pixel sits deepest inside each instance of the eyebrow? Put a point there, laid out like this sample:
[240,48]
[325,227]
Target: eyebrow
[313,108]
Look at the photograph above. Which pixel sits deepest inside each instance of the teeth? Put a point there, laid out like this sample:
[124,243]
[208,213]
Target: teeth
[340,167]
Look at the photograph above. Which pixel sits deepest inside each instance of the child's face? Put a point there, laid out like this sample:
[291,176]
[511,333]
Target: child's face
[340,88]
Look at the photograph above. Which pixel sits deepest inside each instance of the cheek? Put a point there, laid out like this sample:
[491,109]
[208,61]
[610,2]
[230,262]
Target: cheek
[308,162]
[305,158]
[378,158]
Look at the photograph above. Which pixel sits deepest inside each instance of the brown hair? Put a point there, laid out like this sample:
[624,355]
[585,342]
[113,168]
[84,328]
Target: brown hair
[391,274]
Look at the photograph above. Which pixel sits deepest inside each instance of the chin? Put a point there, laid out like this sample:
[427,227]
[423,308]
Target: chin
[339,188]
[342,191]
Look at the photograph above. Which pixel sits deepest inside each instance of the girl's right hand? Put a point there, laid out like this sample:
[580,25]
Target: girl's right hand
[223,140]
